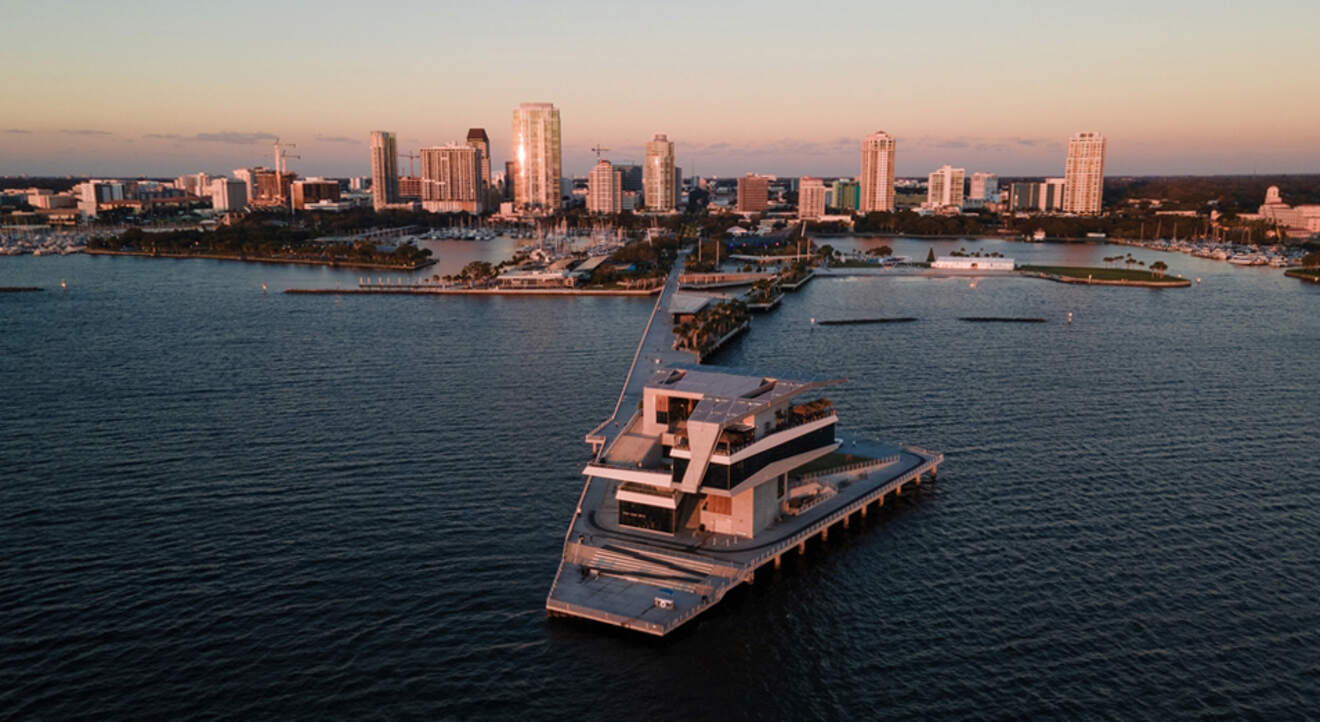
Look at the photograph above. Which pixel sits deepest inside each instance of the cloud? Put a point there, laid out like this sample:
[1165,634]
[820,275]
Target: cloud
[1027,141]
[163,136]
[234,137]
[338,139]
[85,131]
[952,144]
[17,130]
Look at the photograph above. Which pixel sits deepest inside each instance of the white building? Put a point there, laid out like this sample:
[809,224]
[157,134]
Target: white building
[604,189]
[94,192]
[1293,218]
[1084,173]
[194,184]
[983,187]
[944,187]
[714,449]
[228,194]
[249,178]
[659,182]
[451,179]
[536,157]
[972,263]
[877,179]
[811,198]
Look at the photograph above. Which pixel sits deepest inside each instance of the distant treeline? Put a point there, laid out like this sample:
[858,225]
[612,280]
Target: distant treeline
[58,185]
[258,237]
[1234,193]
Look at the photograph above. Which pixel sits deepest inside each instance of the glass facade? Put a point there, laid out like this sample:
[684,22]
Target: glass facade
[722,476]
[644,516]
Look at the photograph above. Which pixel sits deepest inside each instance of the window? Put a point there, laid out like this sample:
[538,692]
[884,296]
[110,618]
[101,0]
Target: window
[721,476]
[644,516]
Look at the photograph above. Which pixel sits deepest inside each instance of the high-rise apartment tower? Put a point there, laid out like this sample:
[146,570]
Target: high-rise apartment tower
[384,168]
[1084,174]
[536,157]
[604,189]
[877,180]
[660,192]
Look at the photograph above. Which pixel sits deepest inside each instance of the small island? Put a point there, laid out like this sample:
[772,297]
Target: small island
[1154,277]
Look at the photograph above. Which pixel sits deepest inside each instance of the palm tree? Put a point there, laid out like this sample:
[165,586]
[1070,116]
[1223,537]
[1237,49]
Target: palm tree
[1158,268]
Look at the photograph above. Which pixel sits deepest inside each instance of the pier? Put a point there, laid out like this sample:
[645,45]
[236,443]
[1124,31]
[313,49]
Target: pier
[655,583]
[615,577]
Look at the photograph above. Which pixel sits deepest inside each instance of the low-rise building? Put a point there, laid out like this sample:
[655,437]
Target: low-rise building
[313,190]
[973,263]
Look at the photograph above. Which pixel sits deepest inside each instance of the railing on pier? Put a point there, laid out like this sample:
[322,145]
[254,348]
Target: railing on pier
[857,466]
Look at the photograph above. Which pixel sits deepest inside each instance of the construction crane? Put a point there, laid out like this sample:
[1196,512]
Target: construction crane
[411,157]
[598,150]
[282,154]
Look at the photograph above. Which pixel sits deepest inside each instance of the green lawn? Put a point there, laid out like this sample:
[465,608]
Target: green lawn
[1306,274]
[1099,274]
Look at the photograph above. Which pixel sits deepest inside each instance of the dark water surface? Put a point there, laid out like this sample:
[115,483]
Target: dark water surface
[224,504]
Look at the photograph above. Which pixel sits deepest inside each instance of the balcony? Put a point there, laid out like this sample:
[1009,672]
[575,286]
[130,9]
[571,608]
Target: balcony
[736,438]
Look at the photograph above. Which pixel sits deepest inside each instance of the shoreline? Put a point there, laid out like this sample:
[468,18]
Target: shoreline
[1176,283]
[422,291]
[245,259]
[1312,276]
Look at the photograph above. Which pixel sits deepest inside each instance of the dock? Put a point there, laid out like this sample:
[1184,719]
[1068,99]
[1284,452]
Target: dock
[655,583]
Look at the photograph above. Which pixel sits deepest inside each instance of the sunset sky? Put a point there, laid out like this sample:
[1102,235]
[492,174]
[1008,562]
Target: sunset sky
[163,88]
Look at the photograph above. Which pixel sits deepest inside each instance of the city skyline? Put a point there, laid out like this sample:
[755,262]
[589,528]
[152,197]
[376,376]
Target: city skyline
[1166,109]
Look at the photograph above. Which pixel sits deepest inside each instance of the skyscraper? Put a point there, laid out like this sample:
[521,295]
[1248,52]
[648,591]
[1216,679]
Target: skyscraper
[604,189]
[536,157]
[1084,174]
[944,187]
[384,169]
[478,139]
[753,193]
[877,181]
[811,198]
[451,179]
[659,191]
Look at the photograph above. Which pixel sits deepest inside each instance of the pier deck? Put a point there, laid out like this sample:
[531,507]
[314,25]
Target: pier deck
[614,576]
